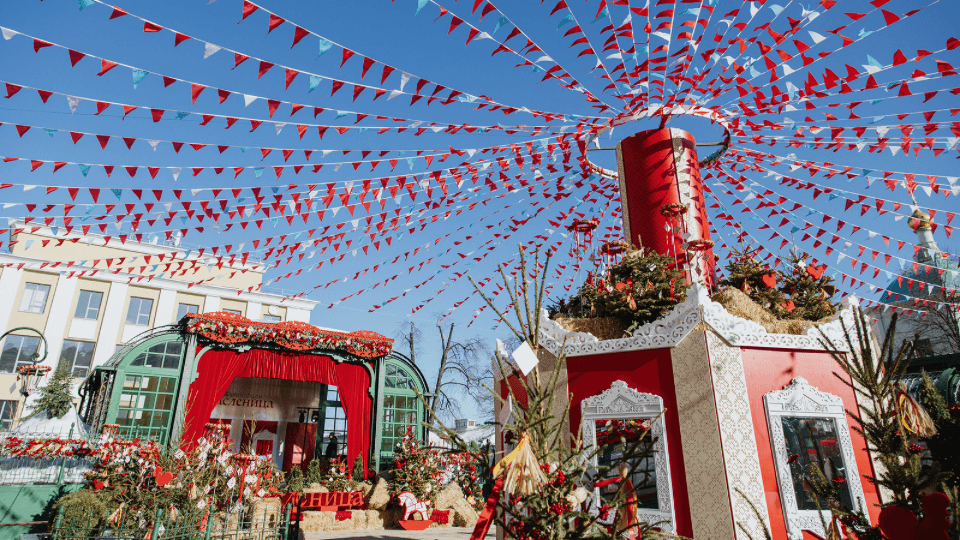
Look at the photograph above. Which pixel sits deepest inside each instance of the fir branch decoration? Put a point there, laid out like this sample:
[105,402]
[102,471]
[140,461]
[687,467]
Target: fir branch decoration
[54,398]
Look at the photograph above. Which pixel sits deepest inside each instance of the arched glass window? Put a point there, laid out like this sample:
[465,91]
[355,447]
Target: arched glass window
[402,408]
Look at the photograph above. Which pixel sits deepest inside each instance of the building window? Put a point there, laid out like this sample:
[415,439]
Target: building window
[139,311]
[621,414]
[8,411]
[399,414]
[88,305]
[397,378]
[164,355]
[271,318]
[233,311]
[18,351]
[183,309]
[334,420]
[34,299]
[809,427]
[76,357]
[145,406]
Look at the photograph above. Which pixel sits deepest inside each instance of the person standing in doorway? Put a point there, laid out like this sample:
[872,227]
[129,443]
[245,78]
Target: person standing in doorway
[332,449]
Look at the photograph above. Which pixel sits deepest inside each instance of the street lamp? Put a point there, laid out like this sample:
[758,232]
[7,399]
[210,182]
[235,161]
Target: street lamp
[30,375]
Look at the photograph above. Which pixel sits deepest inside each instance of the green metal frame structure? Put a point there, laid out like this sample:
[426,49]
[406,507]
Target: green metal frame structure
[149,402]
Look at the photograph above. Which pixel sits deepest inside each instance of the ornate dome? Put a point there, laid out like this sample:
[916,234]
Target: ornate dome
[920,221]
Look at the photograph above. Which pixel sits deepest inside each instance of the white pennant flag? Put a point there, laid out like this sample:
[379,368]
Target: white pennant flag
[208,49]
[247,100]
[73,102]
[176,172]
[153,143]
[8,33]
[279,126]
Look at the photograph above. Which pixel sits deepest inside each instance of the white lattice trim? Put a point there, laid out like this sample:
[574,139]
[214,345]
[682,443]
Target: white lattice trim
[800,399]
[684,317]
[620,402]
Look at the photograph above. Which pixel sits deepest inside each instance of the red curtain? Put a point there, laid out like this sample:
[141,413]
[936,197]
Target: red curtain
[216,369]
[354,381]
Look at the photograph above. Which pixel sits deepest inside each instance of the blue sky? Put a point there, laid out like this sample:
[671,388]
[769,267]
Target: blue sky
[394,33]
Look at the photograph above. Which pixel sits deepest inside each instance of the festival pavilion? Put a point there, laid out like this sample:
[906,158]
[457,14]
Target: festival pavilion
[283,389]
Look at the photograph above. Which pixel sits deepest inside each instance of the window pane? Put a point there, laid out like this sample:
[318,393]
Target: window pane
[168,384]
[616,438]
[139,311]
[271,318]
[11,350]
[88,305]
[234,311]
[34,298]
[183,309]
[8,410]
[813,441]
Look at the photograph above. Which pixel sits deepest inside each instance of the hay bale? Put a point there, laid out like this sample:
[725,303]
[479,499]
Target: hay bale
[374,519]
[316,488]
[379,496]
[600,327]
[391,517]
[736,302]
[314,521]
[450,494]
[365,488]
[464,514]
[266,513]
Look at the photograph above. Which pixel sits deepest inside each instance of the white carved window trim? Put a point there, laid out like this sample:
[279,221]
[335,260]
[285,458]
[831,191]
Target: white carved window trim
[800,399]
[620,402]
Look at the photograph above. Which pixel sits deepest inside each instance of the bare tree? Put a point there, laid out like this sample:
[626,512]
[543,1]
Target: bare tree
[464,368]
[411,337]
[938,331]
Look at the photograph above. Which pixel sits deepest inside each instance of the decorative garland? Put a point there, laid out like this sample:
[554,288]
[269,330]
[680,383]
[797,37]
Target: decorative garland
[47,448]
[613,431]
[298,336]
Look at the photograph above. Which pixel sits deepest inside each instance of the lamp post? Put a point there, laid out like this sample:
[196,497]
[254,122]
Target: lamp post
[31,375]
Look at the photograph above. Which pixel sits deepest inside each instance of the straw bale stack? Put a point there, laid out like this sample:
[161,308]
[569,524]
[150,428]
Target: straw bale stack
[601,327]
[736,302]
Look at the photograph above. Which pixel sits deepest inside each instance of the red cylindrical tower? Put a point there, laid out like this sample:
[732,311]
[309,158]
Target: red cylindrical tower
[664,208]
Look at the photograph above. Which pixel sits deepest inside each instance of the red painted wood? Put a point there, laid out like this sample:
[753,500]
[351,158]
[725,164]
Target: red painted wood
[650,182]
[771,369]
[645,371]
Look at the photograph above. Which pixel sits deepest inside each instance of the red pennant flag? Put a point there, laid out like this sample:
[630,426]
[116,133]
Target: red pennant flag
[167,81]
[254,124]
[132,171]
[336,86]
[151,27]
[127,109]
[104,139]
[357,90]
[347,53]
[367,63]
[75,136]
[157,114]
[298,34]
[44,95]
[179,38]
[75,56]
[224,94]
[289,76]
[273,23]
[12,89]
[39,44]
[34,165]
[195,90]
[117,12]
[105,66]
[264,68]
[248,8]
[239,59]
[22,129]
[387,70]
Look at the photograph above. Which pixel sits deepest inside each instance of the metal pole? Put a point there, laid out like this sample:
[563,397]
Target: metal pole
[63,460]
[157,524]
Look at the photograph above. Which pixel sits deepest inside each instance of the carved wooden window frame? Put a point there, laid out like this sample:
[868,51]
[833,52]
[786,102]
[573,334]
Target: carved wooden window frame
[620,402]
[800,399]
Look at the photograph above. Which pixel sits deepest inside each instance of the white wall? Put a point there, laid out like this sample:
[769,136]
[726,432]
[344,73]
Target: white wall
[113,315]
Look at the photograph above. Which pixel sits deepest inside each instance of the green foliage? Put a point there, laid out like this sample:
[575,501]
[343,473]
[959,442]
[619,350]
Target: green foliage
[337,478]
[358,469]
[875,378]
[54,398]
[809,296]
[416,469]
[638,290]
[944,446]
[314,472]
[746,272]
[84,512]
[295,480]
[552,511]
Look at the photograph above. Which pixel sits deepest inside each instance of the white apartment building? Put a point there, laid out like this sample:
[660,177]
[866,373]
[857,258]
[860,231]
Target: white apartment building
[86,312]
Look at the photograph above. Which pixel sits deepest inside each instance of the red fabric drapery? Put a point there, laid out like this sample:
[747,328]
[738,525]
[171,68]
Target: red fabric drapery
[216,369]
